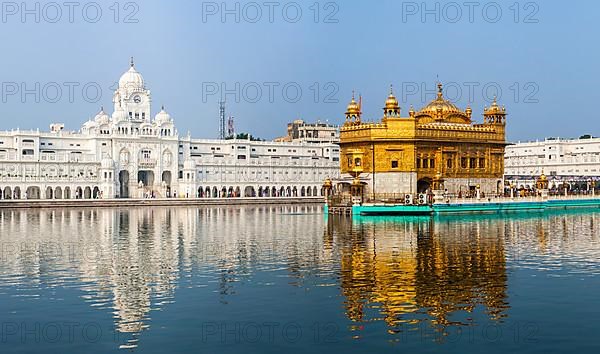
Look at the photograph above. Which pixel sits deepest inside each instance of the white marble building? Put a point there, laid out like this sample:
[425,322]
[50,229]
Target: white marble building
[576,161]
[131,154]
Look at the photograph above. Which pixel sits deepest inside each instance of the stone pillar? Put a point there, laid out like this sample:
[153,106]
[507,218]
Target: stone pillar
[140,190]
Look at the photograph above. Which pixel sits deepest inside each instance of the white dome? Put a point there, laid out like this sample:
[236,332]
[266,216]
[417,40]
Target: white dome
[119,115]
[102,117]
[162,117]
[90,124]
[131,79]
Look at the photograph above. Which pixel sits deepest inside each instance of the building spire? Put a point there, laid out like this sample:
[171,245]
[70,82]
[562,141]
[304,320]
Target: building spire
[131,63]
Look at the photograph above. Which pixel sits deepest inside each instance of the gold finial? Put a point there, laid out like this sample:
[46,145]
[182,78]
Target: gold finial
[131,63]
[391,89]
[440,89]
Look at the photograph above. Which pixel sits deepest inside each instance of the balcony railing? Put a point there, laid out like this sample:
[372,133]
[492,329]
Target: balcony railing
[147,163]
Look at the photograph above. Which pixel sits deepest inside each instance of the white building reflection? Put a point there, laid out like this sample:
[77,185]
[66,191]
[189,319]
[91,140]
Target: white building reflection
[130,261]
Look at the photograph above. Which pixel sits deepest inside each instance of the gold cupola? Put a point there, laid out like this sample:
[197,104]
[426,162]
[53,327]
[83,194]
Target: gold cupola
[494,114]
[392,108]
[353,112]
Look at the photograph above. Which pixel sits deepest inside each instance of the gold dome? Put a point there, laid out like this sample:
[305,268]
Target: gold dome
[440,105]
[353,107]
[391,102]
[328,183]
[494,109]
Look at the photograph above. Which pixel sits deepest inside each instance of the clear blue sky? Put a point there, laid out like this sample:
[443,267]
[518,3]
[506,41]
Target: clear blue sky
[546,49]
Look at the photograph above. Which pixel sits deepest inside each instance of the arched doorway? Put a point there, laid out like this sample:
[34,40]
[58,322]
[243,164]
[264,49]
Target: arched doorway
[166,178]
[58,193]
[315,191]
[124,184]
[215,192]
[78,193]
[238,192]
[295,192]
[423,185]
[33,193]
[8,193]
[67,192]
[96,193]
[207,193]
[288,192]
[87,193]
[49,193]
[249,192]
[17,193]
[146,177]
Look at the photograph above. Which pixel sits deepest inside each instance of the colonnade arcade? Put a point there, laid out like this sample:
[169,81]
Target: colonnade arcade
[260,192]
[50,192]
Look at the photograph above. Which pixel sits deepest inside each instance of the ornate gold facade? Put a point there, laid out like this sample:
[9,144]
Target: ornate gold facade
[438,143]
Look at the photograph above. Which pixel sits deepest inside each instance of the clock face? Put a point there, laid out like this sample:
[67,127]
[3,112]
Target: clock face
[137,99]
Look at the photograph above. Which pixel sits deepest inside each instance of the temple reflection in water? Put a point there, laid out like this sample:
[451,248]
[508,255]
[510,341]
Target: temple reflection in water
[400,272]
[417,269]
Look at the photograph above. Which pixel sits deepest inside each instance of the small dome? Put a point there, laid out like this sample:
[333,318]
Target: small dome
[494,109]
[119,115]
[162,117]
[391,102]
[353,107]
[102,117]
[90,124]
[132,79]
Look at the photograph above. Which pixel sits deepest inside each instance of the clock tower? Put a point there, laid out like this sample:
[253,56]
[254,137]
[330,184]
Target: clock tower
[133,97]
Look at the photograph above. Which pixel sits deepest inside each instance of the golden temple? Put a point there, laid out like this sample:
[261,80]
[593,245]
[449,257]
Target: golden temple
[439,147]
